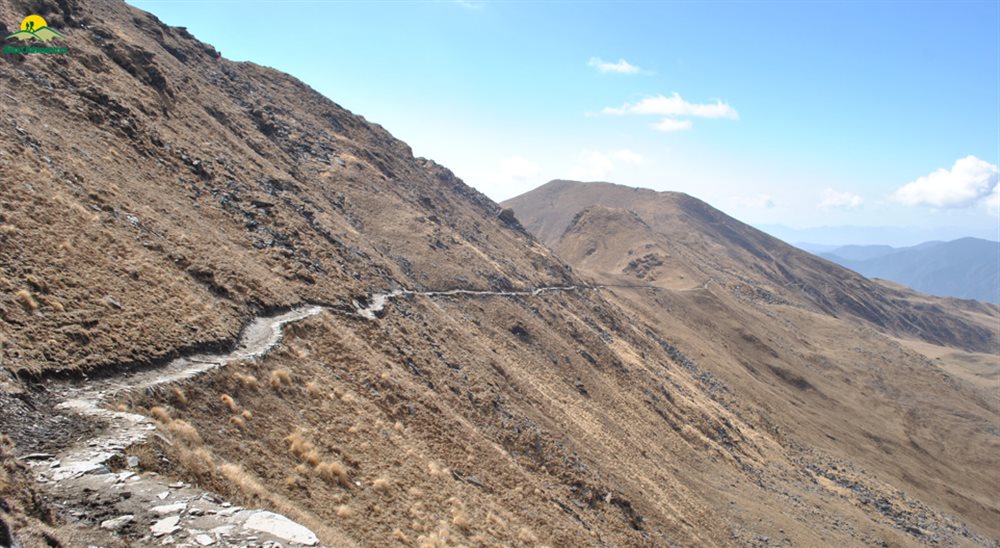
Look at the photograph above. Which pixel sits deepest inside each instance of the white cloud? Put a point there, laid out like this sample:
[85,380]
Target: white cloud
[597,166]
[675,105]
[516,169]
[967,182]
[671,124]
[831,198]
[620,67]
[992,202]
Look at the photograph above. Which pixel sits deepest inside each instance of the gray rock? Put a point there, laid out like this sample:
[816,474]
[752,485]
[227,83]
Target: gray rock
[117,523]
[165,509]
[165,526]
[279,526]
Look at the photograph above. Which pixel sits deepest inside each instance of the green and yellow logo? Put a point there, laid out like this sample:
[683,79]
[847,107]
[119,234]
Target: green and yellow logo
[34,27]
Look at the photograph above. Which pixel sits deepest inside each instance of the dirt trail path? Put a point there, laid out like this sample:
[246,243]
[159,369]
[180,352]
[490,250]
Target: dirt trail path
[149,509]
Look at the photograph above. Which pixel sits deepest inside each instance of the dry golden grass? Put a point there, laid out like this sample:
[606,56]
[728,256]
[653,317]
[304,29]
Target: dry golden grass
[312,389]
[311,457]
[344,511]
[198,460]
[381,485]
[54,304]
[242,480]
[238,422]
[300,446]
[247,381]
[160,414]
[25,299]
[183,431]
[280,378]
[333,472]
[178,396]
[460,520]
[230,403]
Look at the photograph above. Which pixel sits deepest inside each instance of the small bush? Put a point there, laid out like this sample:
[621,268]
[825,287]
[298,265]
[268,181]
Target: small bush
[298,444]
[199,461]
[460,520]
[178,396]
[55,305]
[312,389]
[243,481]
[311,457]
[183,431]
[160,414]
[229,402]
[247,414]
[381,485]
[25,299]
[279,378]
[238,422]
[333,472]
[344,511]
[247,381]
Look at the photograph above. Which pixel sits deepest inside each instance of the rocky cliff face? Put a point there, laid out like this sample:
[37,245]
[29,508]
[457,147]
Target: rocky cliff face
[157,197]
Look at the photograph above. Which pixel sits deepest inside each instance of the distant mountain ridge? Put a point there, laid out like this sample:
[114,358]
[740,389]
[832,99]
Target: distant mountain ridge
[967,268]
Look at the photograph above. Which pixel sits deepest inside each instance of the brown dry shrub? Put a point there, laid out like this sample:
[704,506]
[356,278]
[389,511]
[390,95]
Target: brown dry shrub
[242,480]
[184,431]
[333,472]
[54,304]
[344,511]
[238,422]
[199,461]
[178,396]
[298,444]
[311,457]
[25,299]
[247,381]
[247,414]
[461,521]
[229,402]
[312,389]
[280,377]
[381,485]
[160,414]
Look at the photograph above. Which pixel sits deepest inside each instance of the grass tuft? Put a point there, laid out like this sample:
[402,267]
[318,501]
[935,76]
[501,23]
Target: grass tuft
[178,396]
[25,299]
[280,378]
[381,485]
[247,381]
[160,414]
[185,432]
[333,472]
[229,402]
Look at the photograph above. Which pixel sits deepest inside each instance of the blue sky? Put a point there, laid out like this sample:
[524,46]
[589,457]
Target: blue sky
[779,113]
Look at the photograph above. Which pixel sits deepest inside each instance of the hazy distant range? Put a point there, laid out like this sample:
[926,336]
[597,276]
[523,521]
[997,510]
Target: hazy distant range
[967,268]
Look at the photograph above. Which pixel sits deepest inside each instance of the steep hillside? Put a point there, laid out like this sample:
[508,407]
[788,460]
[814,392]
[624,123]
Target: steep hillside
[880,389]
[737,256]
[233,313]
[967,268]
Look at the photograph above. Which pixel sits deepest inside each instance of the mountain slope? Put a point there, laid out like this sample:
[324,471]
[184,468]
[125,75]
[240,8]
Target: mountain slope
[158,197]
[967,268]
[736,255]
[859,382]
